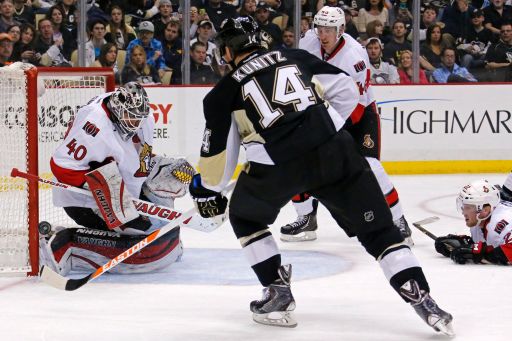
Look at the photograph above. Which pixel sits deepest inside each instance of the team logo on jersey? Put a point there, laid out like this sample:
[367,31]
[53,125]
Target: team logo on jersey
[144,161]
[360,66]
[90,129]
[368,216]
[500,226]
[368,142]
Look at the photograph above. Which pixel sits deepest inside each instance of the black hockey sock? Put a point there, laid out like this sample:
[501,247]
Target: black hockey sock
[416,274]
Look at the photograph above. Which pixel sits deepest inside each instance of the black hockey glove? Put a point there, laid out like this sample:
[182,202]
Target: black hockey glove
[209,203]
[475,252]
[445,244]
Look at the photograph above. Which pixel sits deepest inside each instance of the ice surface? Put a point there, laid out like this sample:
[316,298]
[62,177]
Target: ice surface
[340,291]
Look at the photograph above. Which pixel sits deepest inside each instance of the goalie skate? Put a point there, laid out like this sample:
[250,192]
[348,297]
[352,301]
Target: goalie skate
[277,305]
[405,230]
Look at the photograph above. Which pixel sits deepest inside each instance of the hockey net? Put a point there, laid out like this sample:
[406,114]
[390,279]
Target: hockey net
[36,105]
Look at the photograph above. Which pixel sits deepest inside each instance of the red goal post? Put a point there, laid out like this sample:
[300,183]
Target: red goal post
[36,105]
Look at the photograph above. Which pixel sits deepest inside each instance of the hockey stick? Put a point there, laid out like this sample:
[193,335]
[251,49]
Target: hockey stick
[419,226]
[144,208]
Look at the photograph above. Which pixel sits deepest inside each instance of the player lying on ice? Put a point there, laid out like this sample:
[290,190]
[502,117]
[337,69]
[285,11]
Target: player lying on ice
[489,220]
[108,149]
[272,104]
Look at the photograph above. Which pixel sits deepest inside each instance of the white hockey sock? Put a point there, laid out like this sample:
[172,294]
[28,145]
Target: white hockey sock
[305,207]
[386,186]
[397,260]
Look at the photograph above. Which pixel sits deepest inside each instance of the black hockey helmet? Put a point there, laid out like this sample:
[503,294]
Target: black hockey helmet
[239,35]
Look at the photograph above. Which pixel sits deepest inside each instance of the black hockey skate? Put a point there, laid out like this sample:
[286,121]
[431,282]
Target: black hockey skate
[427,308]
[277,304]
[405,230]
[302,229]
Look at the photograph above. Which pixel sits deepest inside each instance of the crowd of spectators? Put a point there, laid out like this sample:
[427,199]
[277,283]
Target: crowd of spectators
[460,40]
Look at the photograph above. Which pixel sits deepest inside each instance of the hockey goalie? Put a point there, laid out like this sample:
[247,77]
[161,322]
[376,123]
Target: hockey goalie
[108,150]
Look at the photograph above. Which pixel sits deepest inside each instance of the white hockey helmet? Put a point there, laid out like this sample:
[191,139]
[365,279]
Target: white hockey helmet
[129,105]
[478,193]
[330,17]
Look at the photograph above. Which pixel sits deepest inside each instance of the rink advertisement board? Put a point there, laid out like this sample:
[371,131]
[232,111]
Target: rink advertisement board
[436,128]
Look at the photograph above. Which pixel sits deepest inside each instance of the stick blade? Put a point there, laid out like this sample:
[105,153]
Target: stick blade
[54,279]
[425,221]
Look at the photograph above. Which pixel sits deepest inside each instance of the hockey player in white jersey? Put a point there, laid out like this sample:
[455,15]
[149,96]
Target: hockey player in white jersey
[328,42]
[490,224]
[108,149]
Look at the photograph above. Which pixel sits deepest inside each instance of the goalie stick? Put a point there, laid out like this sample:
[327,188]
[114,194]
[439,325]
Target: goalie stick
[419,226]
[69,284]
[144,208]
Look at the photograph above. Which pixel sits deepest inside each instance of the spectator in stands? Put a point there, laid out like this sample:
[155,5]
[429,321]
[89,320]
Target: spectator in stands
[172,45]
[305,25]
[117,30]
[24,49]
[153,47]
[248,8]
[405,70]
[56,16]
[402,11]
[449,71]
[196,16]
[473,46]
[394,48]
[456,18]
[374,29]
[373,9]
[381,71]
[15,32]
[6,47]
[288,38]
[350,27]
[68,10]
[199,72]
[217,11]
[108,58]
[433,46]
[428,18]
[262,17]
[6,15]
[140,10]
[49,48]
[276,14]
[499,56]
[495,14]
[97,29]
[204,35]
[165,15]
[23,13]
[138,70]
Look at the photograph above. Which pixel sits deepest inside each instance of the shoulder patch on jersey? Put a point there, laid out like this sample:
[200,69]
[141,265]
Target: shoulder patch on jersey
[90,129]
[360,66]
[144,161]
[500,226]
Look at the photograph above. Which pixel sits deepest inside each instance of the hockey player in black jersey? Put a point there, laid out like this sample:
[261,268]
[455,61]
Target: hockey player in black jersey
[272,104]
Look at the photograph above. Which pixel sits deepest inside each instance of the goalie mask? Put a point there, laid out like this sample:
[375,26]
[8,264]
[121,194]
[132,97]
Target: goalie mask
[238,35]
[330,17]
[129,106]
[478,193]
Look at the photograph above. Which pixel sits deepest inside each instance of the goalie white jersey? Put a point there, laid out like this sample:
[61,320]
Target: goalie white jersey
[92,141]
[350,56]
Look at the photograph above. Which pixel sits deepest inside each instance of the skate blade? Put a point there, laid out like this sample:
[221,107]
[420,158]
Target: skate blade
[276,318]
[445,328]
[300,237]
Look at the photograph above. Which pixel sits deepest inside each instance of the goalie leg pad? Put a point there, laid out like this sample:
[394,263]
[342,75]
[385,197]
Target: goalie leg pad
[86,249]
[114,201]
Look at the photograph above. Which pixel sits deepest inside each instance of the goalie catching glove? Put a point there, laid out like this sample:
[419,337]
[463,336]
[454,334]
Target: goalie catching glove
[208,203]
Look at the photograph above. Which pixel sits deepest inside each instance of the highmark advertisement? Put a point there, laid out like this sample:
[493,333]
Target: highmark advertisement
[436,128]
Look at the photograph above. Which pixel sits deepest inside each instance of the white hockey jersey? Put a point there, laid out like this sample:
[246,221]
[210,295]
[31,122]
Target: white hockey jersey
[350,56]
[498,231]
[93,140]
